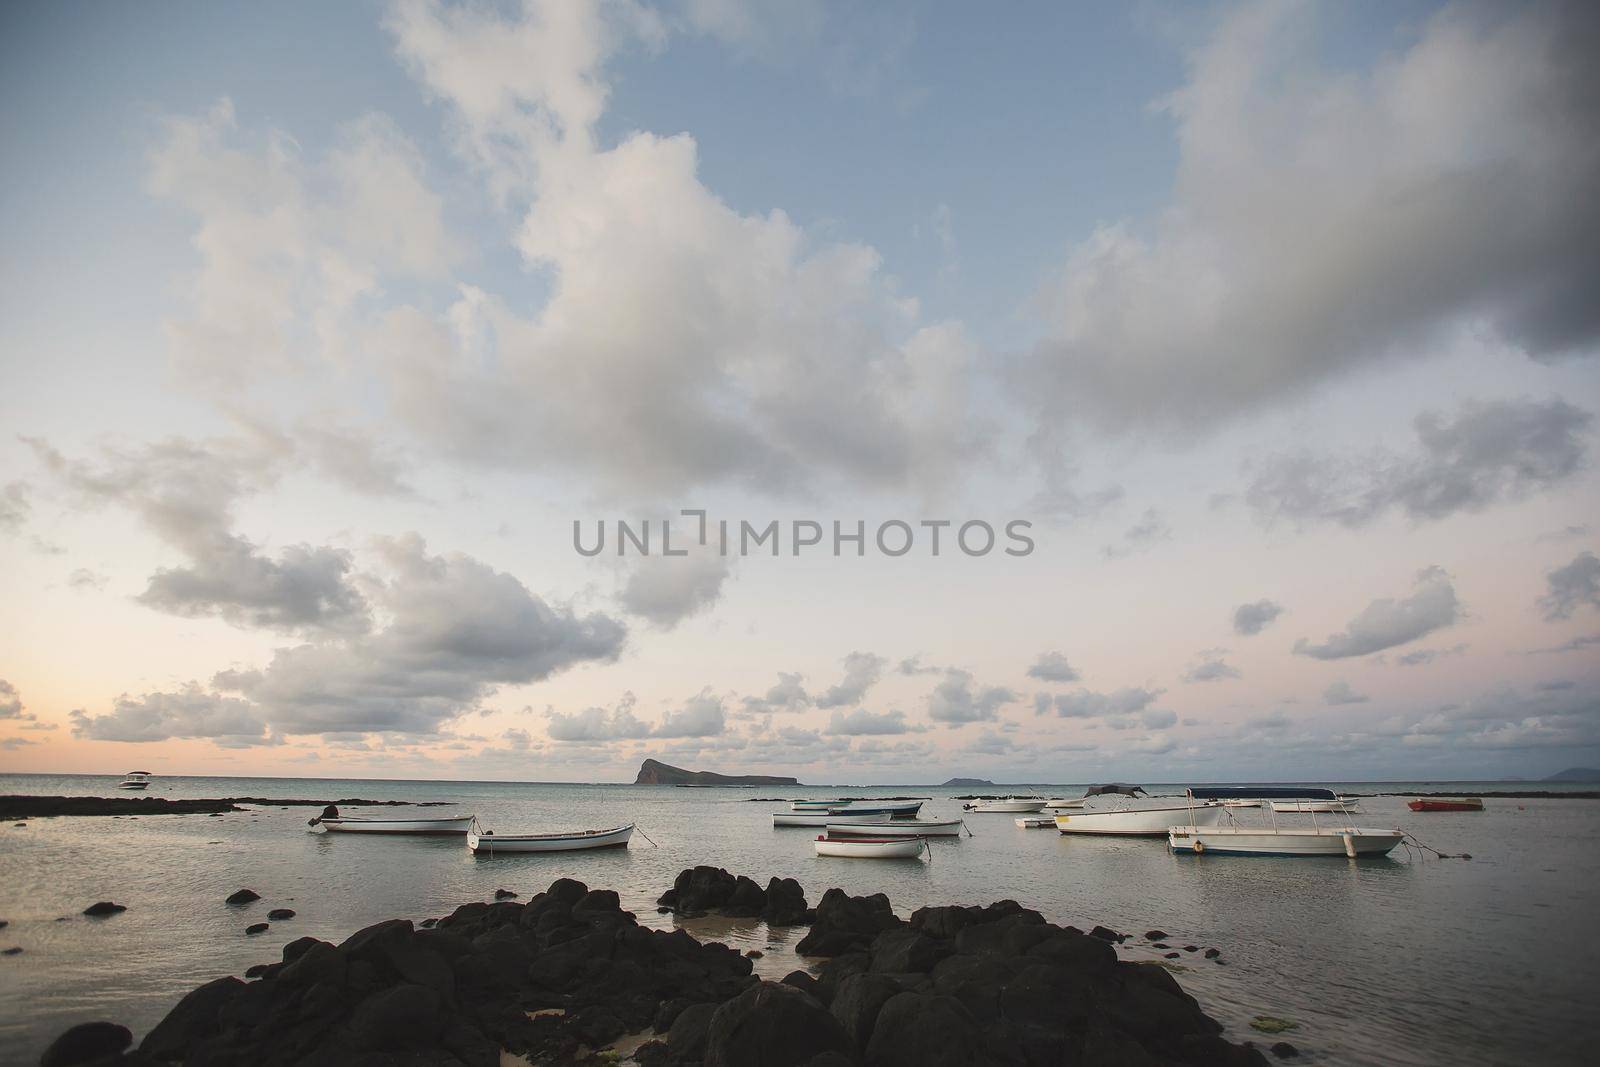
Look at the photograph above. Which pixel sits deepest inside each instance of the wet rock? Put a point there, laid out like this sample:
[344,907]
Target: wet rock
[944,921]
[86,1043]
[504,894]
[774,1025]
[747,901]
[103,908]
[1211,953]
[901,950]
[698,890]
[1161,945]
[1285,1051]
[915,1030]
[14,950]
[1155,935]
[405,1017]
[596,901]
[786,903]
[256,970]
[686,1040]
[243,896]
[754,954]
[1107,934]
[277,914]
[857,1001]
[1172,956]
[846,924]
[803,981]
[257,928]
[193,1019]
[4,924]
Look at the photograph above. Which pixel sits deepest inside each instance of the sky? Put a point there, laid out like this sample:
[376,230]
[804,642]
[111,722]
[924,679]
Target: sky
[1212,389]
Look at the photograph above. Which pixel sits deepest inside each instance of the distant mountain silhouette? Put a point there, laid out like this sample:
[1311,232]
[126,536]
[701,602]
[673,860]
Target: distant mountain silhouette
[1576,774]
[969,781]
[654,772]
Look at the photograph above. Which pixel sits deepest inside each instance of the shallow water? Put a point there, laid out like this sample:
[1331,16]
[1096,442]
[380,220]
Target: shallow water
[1401,960]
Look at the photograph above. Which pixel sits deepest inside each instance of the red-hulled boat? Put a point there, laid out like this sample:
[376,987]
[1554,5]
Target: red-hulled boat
[1446,804]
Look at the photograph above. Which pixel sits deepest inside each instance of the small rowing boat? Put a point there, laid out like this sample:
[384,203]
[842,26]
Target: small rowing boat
[823,818]
[1446,804]
[898,828]
[877,848]
[489,843]
[1010,805]
[458,824]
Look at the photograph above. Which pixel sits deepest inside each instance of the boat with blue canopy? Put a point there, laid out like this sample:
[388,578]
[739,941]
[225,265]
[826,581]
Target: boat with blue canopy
[1332,837]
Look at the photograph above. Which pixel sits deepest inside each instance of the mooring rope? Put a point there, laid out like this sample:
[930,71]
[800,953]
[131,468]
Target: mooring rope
[1411,841]
[645,836]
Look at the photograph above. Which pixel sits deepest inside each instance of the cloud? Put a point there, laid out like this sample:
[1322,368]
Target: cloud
[861,672]
[1577,644]
[1159,720]
[11,744]
[955,700]
[913,666]
[1211,668]
[1087,704]
[1150,530]
[701,344]
[1250,619]
[1322,220]
[189,712]
[1052,667]
[10,701]
[83,578]
[861,721]
[15,506]
[787,695]
[1424,656]
[1386,622]
[1573,586]
[597,724]
[1276,720]
[1503,450]
[1339,692]
[666,590]
[699,716]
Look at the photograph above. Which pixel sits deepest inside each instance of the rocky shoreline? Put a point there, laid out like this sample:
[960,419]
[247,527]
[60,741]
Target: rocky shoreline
[570,977]
[21,806]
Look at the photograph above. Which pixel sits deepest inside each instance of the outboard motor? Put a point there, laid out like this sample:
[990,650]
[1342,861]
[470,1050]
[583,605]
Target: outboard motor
[329,812]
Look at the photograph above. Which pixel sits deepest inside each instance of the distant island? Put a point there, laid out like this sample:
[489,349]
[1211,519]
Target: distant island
[967,782]
[654,772]
[1576,774]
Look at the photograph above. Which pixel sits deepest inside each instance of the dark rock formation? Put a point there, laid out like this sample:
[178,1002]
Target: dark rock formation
[774,1025]
[257,928]
[1155,935]
[786,903]
[243,896]
[104,907]
[846,924]
[505,894]
[86,1043]
[1285,1051]
[277,914]
[20,807]
[654,772]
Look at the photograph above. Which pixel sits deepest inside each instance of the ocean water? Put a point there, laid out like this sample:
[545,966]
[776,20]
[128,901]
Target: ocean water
[1403,960]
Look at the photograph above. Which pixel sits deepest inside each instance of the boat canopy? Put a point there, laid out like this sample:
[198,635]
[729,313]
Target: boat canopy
[1102,790]
[1261,792]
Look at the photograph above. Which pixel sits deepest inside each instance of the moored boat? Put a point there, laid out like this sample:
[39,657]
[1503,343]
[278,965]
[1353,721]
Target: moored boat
[1333,838]
[135,780]
[1011,805]
[1446,804]
[823,818]
[1036,822]
[1065,804]
[1147,822]
[487,842]
[870,847]
[1337,805]
[900,809]
[817,805]
[456,824]
[898,828]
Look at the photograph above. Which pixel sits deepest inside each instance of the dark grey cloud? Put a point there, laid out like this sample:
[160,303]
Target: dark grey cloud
[1388,622]
[1487,453]
[597,724]
[1250,619]
[1053,667]
[1087,704]
[1572,587]
[1150,530]
[304,589]
[789,694]
[863,722]
[956,700]
[1323,220]
[1339,692]
[1211,668]
[11,744]
[669,589]
[1423,656]
[861,672]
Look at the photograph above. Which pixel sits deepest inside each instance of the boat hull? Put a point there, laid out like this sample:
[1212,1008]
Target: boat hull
[1316,807]
[1010,807]
[497,844]
[1446,804]
[134,785]
[410,827]
[898,808]
[821,819]
[1253,841]
[1137,822]
[870,848]
[898,828]
[1066,805]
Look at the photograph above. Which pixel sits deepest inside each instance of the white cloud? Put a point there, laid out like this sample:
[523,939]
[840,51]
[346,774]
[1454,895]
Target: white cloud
[187,713]
[1053,667]
[1087,704]
[666,590]
[1339,692]
[1387,622]
[597,724]
[861,721]
[956,700]
[861,672]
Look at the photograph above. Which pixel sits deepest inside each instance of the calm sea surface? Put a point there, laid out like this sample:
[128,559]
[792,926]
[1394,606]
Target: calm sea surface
[1404,960]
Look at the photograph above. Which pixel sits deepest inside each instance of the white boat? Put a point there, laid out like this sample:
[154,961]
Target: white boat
[1152,822]
[900,809]
[135,780]
[823,818]
[489,843]
[877,848]
[817,805]
[456,824]
[1060,804]
[1336,806]
[898,828]
[1011,805]
[1333,838]
[1036,822]
[1239,802]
